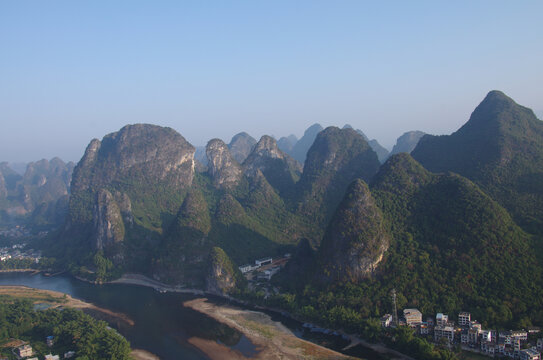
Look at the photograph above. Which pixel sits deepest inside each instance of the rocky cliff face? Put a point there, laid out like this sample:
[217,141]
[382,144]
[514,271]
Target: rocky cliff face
[3,189]
[108,225]
[241,146]
[278,168]
[126,191]
[223,276]
[407,142]
[142,153]
[225,171]
[356,238]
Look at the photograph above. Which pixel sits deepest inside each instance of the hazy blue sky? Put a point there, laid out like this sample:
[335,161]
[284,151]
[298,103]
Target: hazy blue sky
[74,70]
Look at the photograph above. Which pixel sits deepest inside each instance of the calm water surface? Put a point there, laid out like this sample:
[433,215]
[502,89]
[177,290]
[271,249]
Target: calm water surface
[162,324]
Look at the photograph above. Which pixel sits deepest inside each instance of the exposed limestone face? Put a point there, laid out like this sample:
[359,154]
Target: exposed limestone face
[108,226]
[141,153]
[222,276]
[241,146]
[125,206]
[267,149]
[356,238]
[279,169]
[3,190]
[223,168]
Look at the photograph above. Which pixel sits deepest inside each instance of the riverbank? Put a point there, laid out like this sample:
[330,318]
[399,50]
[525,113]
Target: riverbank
[272,339]
[20,270]
[142,280]
[54,299]
[222,352]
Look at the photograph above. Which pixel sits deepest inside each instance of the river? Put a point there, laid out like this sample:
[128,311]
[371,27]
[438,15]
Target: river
[162,324]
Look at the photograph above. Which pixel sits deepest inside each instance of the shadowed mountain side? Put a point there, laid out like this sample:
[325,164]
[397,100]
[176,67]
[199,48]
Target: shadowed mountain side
[279,169]
[336,158]
[501,149]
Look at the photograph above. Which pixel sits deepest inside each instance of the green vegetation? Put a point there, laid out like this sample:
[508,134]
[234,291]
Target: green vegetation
[73,331]
[223,275]
[337,157]
[501,149]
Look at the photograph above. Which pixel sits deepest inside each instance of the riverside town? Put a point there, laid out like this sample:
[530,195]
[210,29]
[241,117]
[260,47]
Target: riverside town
[470,335]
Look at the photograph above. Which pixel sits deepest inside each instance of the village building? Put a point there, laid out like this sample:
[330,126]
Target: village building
[24,351]
[386,320]
[540,344]
[69,354]
[444,332]
[464,318]
[488,347]
[424,328]
[263,261]
[464,336]
[530,354]
[267,274]
[50,340]
[52,357]
[473,335]
[442,319]
[510,336]
[413,317]
[247,268]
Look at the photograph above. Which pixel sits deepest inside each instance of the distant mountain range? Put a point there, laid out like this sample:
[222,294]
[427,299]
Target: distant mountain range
[455,225]
[38,197]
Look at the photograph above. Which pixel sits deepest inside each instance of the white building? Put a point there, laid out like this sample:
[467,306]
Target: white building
[442,319]
[530,354]
[263,261]
[443,332]
[464,318]
[386,320]
[247,268]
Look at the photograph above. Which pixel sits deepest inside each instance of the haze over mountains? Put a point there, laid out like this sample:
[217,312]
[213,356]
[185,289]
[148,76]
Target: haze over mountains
[448,227]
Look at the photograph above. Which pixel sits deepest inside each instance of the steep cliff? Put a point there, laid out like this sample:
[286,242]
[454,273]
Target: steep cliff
[356,239]
[126,190]
[223,168]
[108,225]
[278,168]
[223,277]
